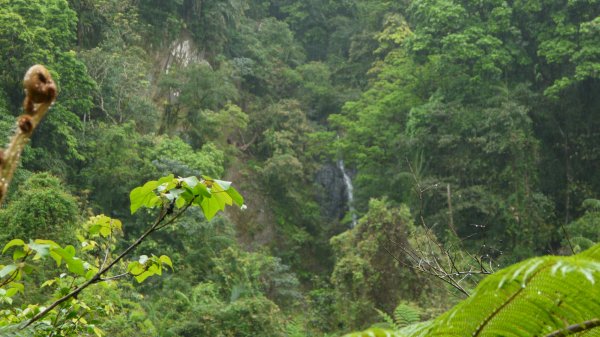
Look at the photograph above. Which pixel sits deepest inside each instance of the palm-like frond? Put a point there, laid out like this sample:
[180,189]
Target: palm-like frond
[545,296]
[550,296]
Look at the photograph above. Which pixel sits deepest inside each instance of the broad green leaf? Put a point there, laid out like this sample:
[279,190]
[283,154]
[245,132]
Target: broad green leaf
[225,185]
[12,243]
[90,273]
[19,286]
[191,182]
[155,268]
[135,268]
[19,253]
[48,283]
[201,190]
[74,265]
[105,231]
[166,260]
[235,196]
[7,270]
[180,202]
[98,332]
[47,242]
[143,276]
[166,179]
[11,292]
[210,207]
[40,249]
[56,256]
[143,196]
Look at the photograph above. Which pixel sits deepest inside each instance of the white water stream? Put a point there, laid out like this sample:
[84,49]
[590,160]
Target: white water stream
[349,192]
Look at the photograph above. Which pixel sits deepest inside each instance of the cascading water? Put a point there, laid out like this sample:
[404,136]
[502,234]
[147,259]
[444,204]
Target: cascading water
[349,192]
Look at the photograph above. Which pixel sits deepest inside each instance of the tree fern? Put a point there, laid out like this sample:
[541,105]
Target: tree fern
[404,314]
[546,296]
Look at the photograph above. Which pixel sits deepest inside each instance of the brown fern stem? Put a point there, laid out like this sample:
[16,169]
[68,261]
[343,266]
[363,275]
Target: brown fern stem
[575,328]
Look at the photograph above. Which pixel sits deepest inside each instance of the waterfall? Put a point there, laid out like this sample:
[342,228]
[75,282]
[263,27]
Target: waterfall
[349,192]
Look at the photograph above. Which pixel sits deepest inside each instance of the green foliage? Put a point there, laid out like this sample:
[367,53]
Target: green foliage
[404,314]
[584,232]
[369,261]
[539,296]
[209,194]
[117,161]
[374,332]
[41,207]
[174,155]
[479,116]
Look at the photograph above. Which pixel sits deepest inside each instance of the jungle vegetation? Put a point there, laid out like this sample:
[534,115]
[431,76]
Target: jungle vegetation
[411,167]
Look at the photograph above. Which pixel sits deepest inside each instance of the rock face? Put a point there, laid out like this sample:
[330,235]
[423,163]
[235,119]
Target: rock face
[333,197]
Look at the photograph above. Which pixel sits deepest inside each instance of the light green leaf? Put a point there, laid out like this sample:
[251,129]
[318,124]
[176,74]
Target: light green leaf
[11,292]
[41,249]
[19,253]
[7,270]
[143,196]
[225,185]
[235,196]
[180,202]
[74,265]
[14,242]
[166,260]
[48,283]
[135,268]
[201,190]
[19,286]
[143,276]
[191,182]
[47,242]
[90,273]
[210,207]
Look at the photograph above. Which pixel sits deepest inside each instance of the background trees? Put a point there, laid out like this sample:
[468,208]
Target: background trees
[475,123]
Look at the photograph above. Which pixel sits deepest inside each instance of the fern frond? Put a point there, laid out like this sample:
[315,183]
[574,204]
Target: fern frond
[375,332]
[390,322]
[537,297]
[405,314]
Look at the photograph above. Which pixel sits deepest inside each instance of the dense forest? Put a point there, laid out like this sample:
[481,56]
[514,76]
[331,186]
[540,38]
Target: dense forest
[390,154]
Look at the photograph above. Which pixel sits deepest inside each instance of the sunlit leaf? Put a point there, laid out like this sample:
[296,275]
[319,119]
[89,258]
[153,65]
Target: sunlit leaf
[235,196]
[12,243]
[40,249]
[166,260]
[7,270]
[48,283]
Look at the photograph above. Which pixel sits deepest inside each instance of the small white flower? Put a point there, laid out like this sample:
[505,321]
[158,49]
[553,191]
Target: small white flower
[244,207]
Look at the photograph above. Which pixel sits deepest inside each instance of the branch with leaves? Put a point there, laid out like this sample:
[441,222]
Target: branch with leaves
[174,196]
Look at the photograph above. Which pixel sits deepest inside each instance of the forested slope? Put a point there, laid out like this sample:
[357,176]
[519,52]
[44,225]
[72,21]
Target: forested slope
[468,131]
